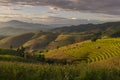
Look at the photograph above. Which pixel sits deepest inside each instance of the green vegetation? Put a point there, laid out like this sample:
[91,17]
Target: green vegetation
[96,36]
[7,52]
[106,28]
[15,56]
[88,51]
[115,34]
[25,71]
[103,57]
[41,57]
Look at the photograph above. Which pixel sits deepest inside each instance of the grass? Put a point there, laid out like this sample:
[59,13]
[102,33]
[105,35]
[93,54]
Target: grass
[91,51]
[12,55]
[25,71]
[11,58]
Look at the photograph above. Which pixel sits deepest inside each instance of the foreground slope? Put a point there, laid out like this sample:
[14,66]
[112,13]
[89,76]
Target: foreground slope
[88,51]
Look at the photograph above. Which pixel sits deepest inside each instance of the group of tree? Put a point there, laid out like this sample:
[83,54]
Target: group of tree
[96,36]
[115,34]
[21,51]
[41,57]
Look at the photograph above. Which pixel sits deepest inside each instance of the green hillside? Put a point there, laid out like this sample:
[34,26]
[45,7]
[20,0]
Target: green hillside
[14,67]
[88,51]
[103,57]
[11,55]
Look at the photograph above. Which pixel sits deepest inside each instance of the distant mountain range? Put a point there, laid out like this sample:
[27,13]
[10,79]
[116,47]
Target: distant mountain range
[20,24]
[104,27]
[15,27]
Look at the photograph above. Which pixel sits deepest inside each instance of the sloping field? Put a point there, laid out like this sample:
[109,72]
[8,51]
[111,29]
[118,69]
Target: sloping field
[89,51]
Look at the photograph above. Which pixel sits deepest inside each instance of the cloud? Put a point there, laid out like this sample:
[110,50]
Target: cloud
[62,20]
[93,6]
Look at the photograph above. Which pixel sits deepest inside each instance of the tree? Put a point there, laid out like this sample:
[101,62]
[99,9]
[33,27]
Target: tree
[94,39]
[96,36]
[21,51]
[115,34]
[57,47]
[11,47]
[41,57]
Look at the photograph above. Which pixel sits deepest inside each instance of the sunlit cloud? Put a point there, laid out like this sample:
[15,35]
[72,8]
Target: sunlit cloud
[74,18]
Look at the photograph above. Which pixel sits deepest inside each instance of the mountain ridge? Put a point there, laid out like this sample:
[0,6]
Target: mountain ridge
[52,39]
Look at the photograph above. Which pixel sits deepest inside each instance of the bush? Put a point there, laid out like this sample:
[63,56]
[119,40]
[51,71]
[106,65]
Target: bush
[21,51]
[96,36]
[115,34]
[41,58]
[94,39]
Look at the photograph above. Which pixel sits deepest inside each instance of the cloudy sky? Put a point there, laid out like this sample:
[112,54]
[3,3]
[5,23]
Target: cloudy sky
[60,11]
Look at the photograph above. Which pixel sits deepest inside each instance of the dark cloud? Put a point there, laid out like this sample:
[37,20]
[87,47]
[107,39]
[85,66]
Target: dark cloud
[93,6]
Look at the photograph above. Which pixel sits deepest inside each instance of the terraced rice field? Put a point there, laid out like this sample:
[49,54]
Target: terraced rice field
[90,51]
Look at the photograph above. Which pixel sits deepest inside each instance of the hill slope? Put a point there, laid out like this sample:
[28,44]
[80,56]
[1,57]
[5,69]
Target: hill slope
[67,39]
[88,51]
[15,41]
[59,37]
[40,41]
[105,28]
